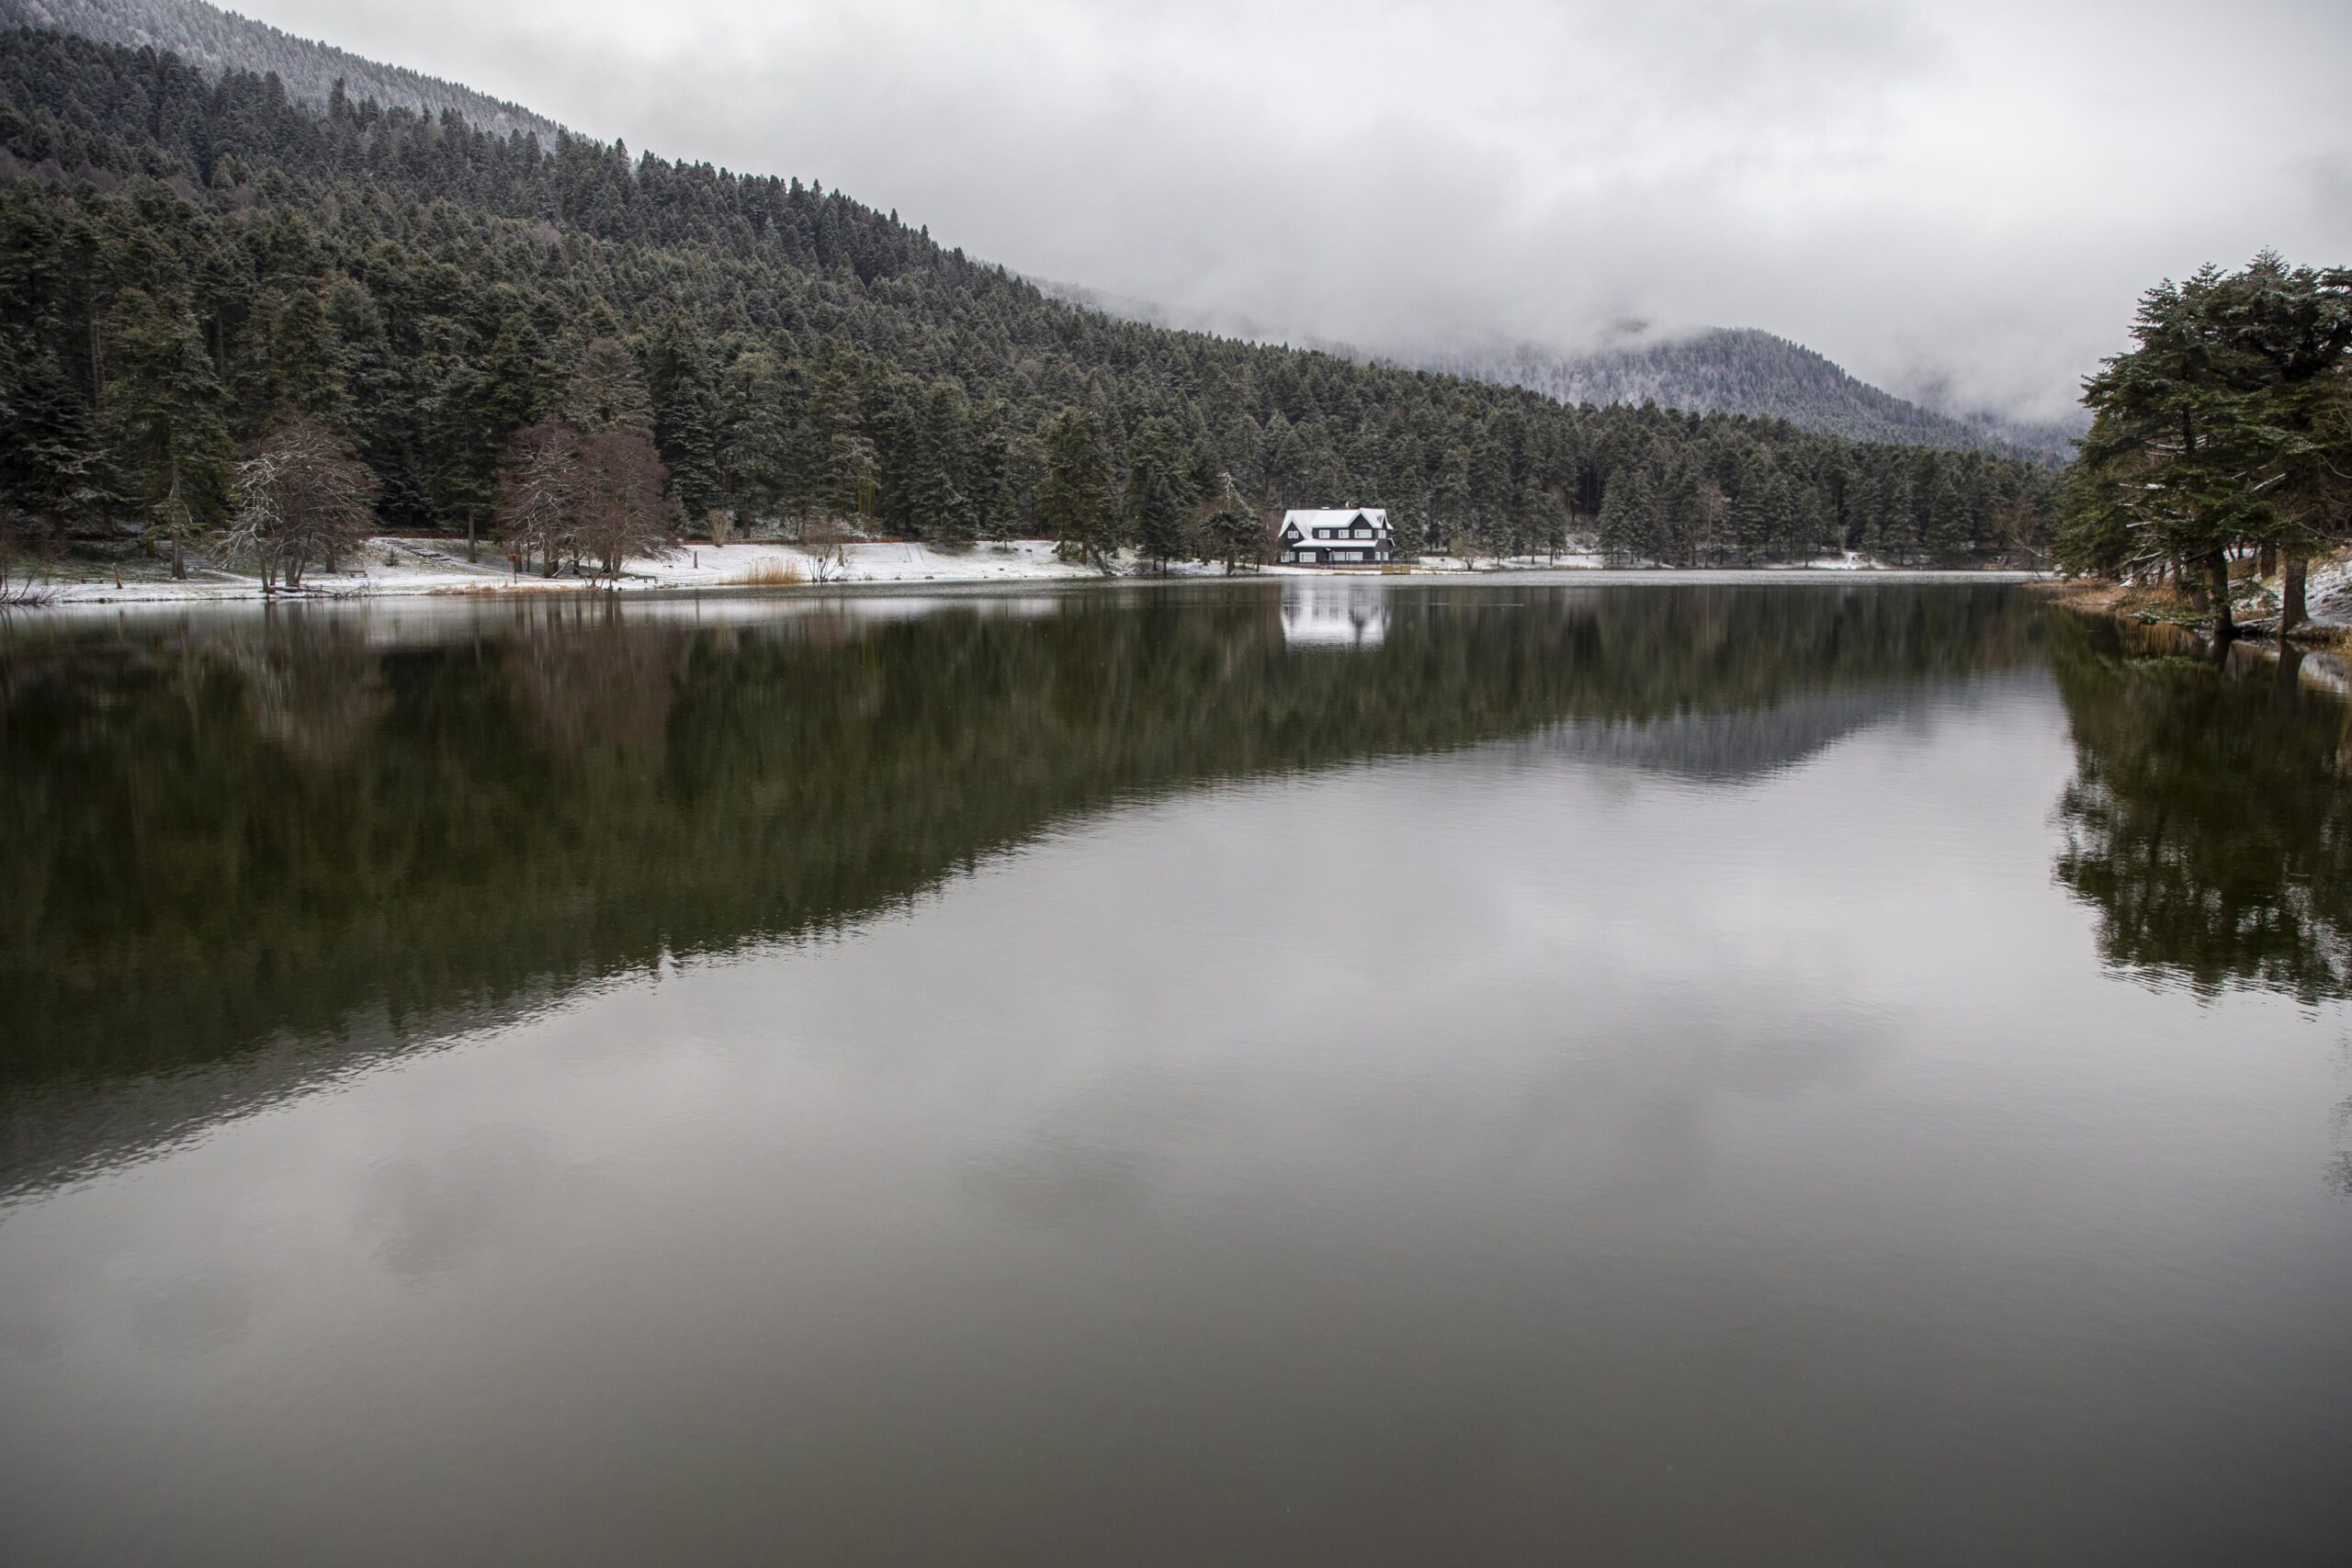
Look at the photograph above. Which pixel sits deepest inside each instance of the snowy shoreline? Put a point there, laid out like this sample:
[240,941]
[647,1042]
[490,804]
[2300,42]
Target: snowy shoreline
[398,567]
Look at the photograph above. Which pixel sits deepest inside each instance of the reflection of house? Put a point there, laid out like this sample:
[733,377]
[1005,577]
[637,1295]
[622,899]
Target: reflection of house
[1335,618]
[1353,537]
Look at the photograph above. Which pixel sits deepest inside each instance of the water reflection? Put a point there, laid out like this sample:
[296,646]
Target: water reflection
[1464,1097]
[298,840]
[1322,614]
[2208,823]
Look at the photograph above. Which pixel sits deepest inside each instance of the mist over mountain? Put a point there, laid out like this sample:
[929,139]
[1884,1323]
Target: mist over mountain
[1740,370]
[214,41]
[1731,371]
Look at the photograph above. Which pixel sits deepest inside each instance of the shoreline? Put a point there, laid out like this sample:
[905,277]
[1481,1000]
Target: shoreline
[394,567]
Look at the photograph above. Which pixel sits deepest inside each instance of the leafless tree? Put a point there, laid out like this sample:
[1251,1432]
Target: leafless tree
[19,585]
[827,541]
[598,499]
[303,501]
[627,511]
[540,495]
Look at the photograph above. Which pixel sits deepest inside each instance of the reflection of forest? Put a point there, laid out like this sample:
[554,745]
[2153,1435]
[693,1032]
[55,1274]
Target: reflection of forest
[2210,823]
[253,831]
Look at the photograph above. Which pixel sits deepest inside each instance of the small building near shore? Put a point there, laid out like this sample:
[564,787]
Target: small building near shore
[1358,536]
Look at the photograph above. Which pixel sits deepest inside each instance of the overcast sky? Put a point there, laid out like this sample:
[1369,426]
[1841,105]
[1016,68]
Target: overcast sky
[1963,195]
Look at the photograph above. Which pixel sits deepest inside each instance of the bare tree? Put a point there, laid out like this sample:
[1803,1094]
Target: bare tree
[627,511]
[19,585]
[600,499]
[540,493]
[827,541]
[303,501]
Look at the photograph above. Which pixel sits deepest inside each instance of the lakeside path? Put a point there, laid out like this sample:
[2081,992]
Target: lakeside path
[397,567]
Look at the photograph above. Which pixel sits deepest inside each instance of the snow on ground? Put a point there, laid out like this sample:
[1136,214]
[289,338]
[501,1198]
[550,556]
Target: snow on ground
[416,565]
[2327,591]
[396,567]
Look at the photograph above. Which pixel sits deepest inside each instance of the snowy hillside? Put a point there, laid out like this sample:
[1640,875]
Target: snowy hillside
[214,41]
[1742,371]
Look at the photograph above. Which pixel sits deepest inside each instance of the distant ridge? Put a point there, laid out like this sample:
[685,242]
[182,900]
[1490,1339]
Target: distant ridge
[214,41]
[1728,370]
[1739,370]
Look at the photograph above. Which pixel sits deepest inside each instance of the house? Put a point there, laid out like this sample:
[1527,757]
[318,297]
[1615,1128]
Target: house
[1351,537]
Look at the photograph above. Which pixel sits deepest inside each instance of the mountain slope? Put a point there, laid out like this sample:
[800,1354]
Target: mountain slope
[1723,370]
[1743,371]
[214,41]
[194,258]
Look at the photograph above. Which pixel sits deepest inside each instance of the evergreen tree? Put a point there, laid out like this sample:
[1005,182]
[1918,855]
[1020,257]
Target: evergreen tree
[1629,516]
[163,411]
[683,387]
[766,465]
[51,465]
[306,371]
[1074,497]
[1232,534]
[940,506]
[1160,490]
[607,391]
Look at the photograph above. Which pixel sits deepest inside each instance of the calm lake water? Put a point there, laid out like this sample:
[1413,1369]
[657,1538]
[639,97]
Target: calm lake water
[1291,1073]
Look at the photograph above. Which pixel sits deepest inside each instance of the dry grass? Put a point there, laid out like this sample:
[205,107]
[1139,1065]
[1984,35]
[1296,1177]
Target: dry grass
[2097,596]
[775,571]
[2335,639]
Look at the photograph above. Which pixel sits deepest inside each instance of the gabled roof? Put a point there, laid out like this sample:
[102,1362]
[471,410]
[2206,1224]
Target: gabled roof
[1306,522]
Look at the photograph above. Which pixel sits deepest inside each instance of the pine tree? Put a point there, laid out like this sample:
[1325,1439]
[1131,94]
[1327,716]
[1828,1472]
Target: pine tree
[1232,534]
[765,455]
[938,504]
[306,370]
[51,465]
[1074,498]
[1629,516]
[165,420]
[607,391]
[682,390]
[1160,490]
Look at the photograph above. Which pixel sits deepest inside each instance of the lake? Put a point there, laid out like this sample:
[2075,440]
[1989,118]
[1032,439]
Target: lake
[1306,1072]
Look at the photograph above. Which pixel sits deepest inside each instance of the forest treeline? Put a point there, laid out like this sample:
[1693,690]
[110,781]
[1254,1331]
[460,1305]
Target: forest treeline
[190,270]
[2224,432]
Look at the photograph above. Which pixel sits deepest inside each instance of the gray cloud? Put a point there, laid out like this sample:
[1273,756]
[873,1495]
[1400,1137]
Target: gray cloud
[1955,199]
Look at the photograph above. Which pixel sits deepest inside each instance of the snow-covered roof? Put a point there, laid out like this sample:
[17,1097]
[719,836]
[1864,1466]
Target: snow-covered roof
[1306,522]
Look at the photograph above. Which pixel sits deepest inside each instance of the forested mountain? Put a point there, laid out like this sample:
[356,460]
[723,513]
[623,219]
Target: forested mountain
[186,263]
[1740,370]
[214,41]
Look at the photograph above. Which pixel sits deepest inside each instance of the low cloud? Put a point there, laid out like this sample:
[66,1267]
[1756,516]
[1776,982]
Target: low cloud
[1956,200]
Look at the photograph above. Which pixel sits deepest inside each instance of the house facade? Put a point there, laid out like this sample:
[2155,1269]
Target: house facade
[1357,536]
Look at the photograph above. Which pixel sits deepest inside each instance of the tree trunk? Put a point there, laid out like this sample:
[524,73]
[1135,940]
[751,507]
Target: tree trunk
[2290,664]
[2266,561]
[179,561]
[2293,612]
[2217,567]
[471,557]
